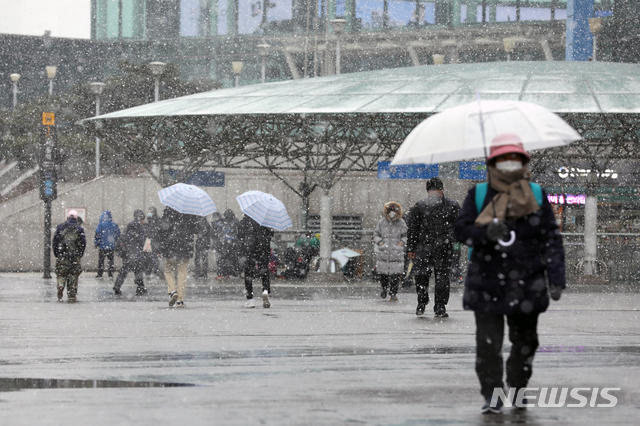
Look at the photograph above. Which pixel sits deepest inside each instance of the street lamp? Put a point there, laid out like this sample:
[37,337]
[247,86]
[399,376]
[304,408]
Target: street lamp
[96,89]
[595,25]
[338,26]
[51,74]
[237,69]
[438,59]
[509,46]
[157,68]
[14,80]
[264,51]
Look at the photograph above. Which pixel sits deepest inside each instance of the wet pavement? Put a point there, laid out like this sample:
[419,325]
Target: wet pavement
[329,353]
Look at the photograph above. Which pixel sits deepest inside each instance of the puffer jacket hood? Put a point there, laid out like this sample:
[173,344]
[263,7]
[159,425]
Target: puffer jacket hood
[105,216]
[229,215]
[392,206]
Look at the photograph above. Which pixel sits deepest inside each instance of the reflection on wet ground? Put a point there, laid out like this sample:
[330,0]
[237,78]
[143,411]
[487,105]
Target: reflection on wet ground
[8,384]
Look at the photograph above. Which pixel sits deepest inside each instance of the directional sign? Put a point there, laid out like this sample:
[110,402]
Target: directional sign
[202,178]
[474,170]
[406,171]
[48,119]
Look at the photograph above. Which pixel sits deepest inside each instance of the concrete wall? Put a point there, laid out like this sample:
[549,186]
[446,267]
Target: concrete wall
[21,219]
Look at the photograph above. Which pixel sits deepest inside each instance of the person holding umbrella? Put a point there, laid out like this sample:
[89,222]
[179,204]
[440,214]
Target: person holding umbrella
[517,250]
[178,226]
[262,214]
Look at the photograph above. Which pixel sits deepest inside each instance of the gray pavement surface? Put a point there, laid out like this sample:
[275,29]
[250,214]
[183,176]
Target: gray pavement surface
[325,353]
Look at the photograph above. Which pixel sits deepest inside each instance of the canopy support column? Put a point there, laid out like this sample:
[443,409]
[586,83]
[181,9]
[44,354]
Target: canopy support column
[325,232]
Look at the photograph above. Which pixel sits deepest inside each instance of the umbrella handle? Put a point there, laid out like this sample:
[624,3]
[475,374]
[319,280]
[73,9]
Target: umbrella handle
[510,242]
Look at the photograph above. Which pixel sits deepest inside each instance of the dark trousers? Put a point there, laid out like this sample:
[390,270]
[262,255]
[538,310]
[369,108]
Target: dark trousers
[102,253]
[135,264]
[201,261]
[390,282]
[257,266]
[152,264]
[523,335]
[441,291]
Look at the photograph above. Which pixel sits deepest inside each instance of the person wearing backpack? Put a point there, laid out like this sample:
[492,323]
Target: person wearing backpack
[516,262]
[69,243]
[107,233]
[130,249]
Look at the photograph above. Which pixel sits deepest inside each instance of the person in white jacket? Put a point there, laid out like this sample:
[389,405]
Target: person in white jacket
[390,237]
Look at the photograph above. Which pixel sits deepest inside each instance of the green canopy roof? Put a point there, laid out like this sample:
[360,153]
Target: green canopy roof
[563,87]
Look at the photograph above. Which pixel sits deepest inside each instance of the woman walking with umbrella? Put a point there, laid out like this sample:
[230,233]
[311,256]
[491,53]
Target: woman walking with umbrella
[262,214]
[508,224]
[511,228]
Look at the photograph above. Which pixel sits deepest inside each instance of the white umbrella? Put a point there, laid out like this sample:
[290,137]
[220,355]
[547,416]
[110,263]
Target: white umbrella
[457,133]
[265,209]
[187,199]
[343,255]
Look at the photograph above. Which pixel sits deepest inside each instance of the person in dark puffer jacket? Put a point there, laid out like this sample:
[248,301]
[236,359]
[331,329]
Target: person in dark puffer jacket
[509,280]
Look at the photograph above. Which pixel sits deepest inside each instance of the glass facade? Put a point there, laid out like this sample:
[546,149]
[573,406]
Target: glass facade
[158,19]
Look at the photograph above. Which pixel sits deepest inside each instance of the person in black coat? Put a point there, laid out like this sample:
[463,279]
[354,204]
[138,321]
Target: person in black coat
[176,234]
[132,255]
[430,245]
[152,263]
[203,243]
[255,245]
[509,280]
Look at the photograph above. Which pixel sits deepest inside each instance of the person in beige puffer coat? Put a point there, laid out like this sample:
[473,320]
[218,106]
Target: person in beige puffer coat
[390,237]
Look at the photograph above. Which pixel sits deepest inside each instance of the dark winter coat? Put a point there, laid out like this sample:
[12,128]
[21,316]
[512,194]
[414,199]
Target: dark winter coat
[255,240]
[151,227]
[508,280]
[203,242]
[430,232]
[134,238]
[176,234]
[58,249]
[107,232]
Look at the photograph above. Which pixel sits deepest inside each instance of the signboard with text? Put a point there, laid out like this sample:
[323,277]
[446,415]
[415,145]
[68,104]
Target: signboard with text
[406,171]
[215,179]
[48,158]
[473,170]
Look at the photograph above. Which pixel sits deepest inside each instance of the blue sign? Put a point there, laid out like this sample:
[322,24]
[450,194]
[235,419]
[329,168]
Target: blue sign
[406,171]
[474,170]
[202,178]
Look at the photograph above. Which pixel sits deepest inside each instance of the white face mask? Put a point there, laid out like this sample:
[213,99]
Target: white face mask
[392,214]
[509,166]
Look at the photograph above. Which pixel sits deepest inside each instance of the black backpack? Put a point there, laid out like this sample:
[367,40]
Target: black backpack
[70,243]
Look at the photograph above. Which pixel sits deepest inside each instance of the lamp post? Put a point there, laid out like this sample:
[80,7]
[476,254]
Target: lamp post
[595,25]
[338,26]
[264,51]
[237,69]
[438,59]
[96,89]
[51,74]
[157,68]
[14,81]
[509,46]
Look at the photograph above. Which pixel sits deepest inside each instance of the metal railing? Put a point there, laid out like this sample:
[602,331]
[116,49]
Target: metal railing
[618,253]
